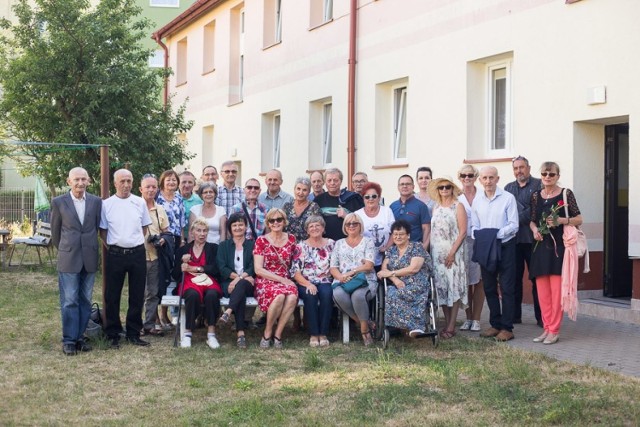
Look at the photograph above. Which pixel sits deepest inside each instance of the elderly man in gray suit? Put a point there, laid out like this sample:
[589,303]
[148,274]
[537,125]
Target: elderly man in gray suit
[75,221]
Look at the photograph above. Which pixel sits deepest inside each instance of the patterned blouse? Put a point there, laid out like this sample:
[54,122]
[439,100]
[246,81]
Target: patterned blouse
[296,223]
[346,258]
[313,263]
[175,212]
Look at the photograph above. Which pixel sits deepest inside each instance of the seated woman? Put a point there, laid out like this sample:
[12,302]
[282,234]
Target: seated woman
[276,293]
[235,261]
[197,261]
[407,266]
[352,264]
[311,261]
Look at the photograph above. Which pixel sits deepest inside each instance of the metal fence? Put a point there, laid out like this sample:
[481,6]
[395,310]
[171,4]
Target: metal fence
[16,203]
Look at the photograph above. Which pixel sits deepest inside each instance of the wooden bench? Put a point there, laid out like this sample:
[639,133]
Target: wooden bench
[40,239]
[174,300]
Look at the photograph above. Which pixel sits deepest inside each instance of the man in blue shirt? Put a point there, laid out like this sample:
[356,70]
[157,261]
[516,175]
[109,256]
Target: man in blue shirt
[274,196]
[413,211]
[495,210]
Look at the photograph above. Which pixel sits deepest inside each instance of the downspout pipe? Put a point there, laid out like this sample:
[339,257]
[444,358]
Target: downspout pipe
[351,101]
[164,47]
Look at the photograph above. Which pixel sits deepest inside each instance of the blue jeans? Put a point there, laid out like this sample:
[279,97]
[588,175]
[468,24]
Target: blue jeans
[76,290]
[317,308]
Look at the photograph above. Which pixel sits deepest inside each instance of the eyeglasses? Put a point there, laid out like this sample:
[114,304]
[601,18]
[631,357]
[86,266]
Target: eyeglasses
[351,224]
[274,220]
[230,171]
[467,175]
[148,175]
[445,187]
[370,196]
[252,187]
[399,234]
[359,181]
[404,184]
[549,174]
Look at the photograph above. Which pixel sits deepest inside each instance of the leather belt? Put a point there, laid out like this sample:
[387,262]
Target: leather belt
[125,251]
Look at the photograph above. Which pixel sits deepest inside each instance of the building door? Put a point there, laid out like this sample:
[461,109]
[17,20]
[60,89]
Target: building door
[617,265]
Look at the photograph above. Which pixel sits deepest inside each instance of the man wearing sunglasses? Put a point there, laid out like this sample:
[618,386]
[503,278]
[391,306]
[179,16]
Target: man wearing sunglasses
[522,189]
[494,224]
[229,194]
[412,210]
[254,211]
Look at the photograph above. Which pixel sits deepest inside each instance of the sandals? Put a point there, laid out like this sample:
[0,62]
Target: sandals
[313,342]
[241,342]
[277,342]
[324,342]
[366,338]
[372,325]
[445,335]
[225,318]
[154,332]
[265,342]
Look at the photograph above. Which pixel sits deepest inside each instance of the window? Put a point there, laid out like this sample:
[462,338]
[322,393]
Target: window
[272,22]
[207,145]
[208,47]
[320,133]
[321,12]
[271,140]
[326,133]
[236,54]
[181,66]
[400,123]
[391,132]
[164,3]
[156,59]
[489,107]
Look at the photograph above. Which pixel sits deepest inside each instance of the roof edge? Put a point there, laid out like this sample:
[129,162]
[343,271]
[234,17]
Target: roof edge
[195,11]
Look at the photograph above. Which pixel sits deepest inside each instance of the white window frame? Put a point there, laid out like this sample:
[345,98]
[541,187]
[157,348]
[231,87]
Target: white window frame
[399,130]
[327,133]
[164,3]
[491,127]
[276,140]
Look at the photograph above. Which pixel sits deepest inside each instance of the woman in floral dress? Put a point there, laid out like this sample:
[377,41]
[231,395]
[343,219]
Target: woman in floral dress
[311,262]
[276,293]
[300,209]
[448,231]
[407,266]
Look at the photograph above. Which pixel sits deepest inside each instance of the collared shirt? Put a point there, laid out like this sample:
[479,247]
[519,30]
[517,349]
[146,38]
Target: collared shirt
[228,198]
[523,199]
[192,201]
[276,201]
[415,212]
[256,217]
[124,219]
[175,212]
[80,205]
[499,212]
[159,221]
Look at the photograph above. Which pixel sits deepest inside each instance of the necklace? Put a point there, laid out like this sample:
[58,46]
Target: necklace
[546,196]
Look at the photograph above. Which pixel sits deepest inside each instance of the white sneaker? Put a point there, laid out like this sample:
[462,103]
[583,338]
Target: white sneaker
[185,342]
[466,325]
[475,325]
[212,342]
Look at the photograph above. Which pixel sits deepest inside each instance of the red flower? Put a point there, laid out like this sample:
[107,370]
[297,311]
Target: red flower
[560,203]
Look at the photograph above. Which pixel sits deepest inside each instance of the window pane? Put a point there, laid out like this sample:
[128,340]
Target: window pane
[499,109]
[327,137]
[276,141]
[328,10]
[400,123]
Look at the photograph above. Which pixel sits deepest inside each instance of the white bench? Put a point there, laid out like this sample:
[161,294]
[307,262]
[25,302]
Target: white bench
[174,300]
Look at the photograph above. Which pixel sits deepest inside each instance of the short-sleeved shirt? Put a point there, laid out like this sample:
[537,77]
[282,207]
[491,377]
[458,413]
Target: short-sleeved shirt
[378,229]
[228,198]
[257,217]
[329,204]
[277,201]
[415,212]
[123,219]
[190,202]
[159,221]
[313,263]
[346,258]
[175,212]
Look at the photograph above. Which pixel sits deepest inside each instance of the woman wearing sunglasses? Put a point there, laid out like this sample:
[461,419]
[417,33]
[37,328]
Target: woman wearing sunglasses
[354,283]
[468,175]
[376,220]
[276,293]
[448,231]
[548,218]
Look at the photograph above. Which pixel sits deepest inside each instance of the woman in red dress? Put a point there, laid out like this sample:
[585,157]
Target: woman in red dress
[276,293]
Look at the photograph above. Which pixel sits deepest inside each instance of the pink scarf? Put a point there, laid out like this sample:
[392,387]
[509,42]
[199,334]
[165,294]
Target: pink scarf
[570,272]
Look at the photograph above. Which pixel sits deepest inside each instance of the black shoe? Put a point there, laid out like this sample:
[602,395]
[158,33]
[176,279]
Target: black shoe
[517,321]
[137,341]
[262,321]
[83,346]
[69,349]
[114,343]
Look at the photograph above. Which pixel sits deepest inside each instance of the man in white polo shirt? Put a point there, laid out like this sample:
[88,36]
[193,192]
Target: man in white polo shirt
[123,226]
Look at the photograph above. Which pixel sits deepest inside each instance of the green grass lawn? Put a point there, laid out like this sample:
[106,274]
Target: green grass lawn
[465,381]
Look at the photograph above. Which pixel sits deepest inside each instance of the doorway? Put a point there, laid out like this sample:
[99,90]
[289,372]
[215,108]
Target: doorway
[617,279]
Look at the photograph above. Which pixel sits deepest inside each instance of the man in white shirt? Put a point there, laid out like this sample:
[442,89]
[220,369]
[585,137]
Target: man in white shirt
[123,225]
[496,210]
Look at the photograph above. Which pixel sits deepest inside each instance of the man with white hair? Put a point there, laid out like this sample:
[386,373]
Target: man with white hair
[274,196]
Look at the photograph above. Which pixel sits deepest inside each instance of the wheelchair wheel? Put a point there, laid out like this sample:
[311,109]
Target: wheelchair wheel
[385,338]
[378,312]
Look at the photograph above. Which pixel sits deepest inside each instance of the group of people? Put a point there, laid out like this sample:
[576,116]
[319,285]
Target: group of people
[322,244]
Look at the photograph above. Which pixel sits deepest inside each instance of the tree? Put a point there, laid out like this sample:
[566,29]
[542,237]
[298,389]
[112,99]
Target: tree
[75,74]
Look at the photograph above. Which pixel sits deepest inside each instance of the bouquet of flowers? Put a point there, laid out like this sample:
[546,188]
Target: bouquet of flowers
[545,228]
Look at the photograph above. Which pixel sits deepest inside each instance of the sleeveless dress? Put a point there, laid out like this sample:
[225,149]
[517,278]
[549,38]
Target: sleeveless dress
[546,257]
[450,283]
[278,261]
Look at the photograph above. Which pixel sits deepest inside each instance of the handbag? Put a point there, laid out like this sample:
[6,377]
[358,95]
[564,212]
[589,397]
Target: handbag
[581,244]
[358,281]
[202,279]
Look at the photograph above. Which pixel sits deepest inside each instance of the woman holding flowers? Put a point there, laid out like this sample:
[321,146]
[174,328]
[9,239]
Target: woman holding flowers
[548,218]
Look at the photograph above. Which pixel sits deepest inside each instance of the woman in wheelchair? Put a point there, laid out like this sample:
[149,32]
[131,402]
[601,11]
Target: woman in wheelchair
[407,267]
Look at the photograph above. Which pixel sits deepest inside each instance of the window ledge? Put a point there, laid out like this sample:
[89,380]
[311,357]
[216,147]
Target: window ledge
[321,25]
[181,83]
[272,45]
[231,104]
[392,166]
[204,73]
[496,160]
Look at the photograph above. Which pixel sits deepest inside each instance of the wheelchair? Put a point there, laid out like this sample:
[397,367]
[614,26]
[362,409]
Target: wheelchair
[433,315]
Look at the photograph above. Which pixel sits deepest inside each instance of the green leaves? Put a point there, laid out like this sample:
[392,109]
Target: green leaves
[74,74]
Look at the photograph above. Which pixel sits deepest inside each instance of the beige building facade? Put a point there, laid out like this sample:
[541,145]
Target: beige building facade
[435,83]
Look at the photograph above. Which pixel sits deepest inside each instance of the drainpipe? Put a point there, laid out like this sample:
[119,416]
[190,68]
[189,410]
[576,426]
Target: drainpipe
[164,47]
[351,105]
